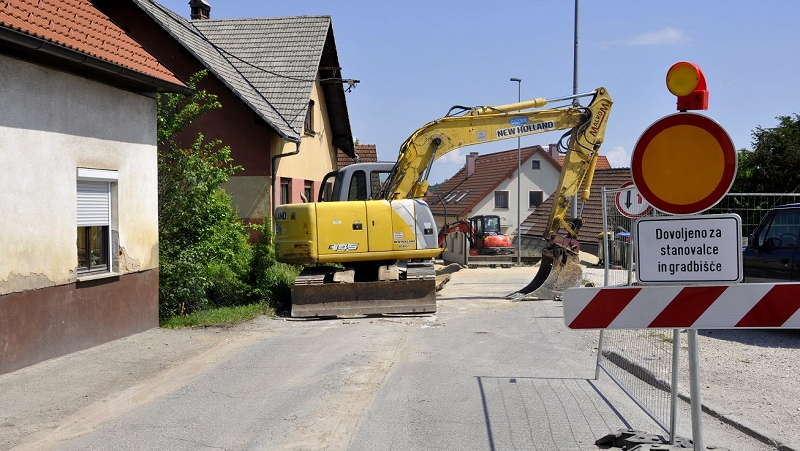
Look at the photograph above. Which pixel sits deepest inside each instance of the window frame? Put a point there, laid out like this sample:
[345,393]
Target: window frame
[286,191]
[503,194]
[95,205]
[308,122]
[536,164]
[308,190]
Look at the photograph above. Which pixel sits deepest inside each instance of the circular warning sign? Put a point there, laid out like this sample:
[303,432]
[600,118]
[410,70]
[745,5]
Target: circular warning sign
[630,203]
[684,163]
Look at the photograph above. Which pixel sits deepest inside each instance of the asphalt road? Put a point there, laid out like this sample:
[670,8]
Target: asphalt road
[483,373]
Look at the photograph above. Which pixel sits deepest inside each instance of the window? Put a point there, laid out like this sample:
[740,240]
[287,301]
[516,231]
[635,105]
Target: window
[501,199]
[94,204]
[308,191]
[782,232]
[285,191]
[535,198]
[358,186]
[308,125]
[377,180]
[536,164]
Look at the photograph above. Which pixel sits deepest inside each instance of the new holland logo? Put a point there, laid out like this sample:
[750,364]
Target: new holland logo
[517,121]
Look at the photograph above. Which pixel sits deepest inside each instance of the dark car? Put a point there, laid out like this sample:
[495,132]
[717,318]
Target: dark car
[771,253]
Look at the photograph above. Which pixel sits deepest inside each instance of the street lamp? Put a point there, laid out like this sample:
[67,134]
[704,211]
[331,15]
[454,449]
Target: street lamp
[519,179]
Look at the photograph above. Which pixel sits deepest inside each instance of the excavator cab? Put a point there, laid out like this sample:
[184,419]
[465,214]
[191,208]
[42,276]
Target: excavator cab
[361,181]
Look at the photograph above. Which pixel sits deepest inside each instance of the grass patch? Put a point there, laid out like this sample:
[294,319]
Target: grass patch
[218,317]
[661,337]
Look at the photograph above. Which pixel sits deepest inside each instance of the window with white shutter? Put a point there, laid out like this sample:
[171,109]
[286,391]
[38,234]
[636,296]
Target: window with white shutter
[94,219]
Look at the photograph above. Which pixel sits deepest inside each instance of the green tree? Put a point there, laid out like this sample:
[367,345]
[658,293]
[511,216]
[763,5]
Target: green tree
[203,251]
[771,167]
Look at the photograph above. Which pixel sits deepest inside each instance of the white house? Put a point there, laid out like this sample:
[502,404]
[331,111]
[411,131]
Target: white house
[79,202]
[487,185]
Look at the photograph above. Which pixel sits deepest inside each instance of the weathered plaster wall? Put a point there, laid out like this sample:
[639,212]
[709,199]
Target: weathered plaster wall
[51,123]
[317,156]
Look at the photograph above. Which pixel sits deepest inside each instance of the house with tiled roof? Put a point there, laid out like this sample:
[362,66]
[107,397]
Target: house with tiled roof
[279,80]
[534,225]
[79,238]
[487,185]
[365,153]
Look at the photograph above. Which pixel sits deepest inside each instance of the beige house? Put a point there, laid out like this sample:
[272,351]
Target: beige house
[280,83]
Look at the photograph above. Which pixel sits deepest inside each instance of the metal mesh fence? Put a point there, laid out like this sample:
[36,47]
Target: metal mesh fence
[644,362]
[639,361]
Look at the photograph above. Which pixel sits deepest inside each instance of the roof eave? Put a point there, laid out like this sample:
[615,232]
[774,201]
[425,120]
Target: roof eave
[42,51]
[335,97]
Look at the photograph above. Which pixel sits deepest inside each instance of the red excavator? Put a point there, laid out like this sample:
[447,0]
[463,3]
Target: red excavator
[483,233]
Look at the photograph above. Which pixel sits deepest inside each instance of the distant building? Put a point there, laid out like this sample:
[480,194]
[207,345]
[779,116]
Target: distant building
[534,226]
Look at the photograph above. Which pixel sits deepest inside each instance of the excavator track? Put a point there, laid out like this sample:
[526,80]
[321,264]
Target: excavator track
[316,293]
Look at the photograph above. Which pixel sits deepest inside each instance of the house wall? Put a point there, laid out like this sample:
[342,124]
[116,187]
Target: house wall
[544,179]
[51,124]
[317,154]
[252,141]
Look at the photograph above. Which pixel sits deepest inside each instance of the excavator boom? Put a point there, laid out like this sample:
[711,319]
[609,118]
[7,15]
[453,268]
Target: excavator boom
[560,264]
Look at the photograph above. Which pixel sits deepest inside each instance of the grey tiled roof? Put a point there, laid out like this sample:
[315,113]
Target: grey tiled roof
[270,63]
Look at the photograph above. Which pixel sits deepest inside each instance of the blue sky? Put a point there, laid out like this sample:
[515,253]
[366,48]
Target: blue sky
[415,59]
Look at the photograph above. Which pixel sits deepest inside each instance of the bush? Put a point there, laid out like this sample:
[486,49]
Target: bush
[270,281]
[206,260]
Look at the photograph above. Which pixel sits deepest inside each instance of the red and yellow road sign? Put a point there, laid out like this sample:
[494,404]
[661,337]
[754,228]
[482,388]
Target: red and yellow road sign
[684,163]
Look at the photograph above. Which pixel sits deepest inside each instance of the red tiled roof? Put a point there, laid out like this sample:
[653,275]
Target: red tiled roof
[602,162]
[367,153]
[535,223]
[490,170]
[78,25]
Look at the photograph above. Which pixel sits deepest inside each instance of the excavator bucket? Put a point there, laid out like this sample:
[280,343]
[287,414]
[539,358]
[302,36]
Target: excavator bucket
[559,269]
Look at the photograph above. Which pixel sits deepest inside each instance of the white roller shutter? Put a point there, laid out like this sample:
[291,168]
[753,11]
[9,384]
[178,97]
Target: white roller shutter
[94,203]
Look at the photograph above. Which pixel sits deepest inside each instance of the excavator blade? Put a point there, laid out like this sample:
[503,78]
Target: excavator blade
[559,269]
[313,297]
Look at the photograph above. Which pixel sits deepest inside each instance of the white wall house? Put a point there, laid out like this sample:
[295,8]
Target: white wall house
[78,195]
[487,185]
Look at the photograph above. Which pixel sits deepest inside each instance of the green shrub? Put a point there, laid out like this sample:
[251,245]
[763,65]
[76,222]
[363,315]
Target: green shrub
[270,281]
[206,260]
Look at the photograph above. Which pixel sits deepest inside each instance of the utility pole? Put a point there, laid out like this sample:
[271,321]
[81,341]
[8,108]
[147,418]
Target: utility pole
[519,179]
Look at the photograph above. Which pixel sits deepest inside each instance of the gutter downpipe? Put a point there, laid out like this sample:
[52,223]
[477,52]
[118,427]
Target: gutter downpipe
[275,175]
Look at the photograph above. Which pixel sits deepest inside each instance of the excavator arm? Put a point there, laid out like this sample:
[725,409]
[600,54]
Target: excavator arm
[479,125]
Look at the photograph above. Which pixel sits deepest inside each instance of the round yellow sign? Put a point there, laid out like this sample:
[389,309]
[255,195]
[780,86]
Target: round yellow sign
[684,163]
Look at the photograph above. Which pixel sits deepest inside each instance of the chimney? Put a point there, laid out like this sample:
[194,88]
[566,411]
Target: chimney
[553,149]
[201,10]
[471,163]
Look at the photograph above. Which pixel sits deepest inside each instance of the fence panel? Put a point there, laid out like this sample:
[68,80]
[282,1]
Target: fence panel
[644,363]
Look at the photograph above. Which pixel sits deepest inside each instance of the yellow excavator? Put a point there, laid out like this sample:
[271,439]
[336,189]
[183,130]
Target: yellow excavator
[370,238]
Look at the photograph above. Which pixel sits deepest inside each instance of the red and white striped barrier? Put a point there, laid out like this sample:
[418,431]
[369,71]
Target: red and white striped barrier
[746,305]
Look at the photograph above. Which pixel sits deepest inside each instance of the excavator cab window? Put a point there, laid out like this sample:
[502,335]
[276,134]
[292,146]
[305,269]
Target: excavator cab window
[358,186]
[492,225]
[477,226]
[330,187]
[376,181]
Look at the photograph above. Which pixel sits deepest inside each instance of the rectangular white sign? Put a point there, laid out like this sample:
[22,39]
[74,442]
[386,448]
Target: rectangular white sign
[689,249]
